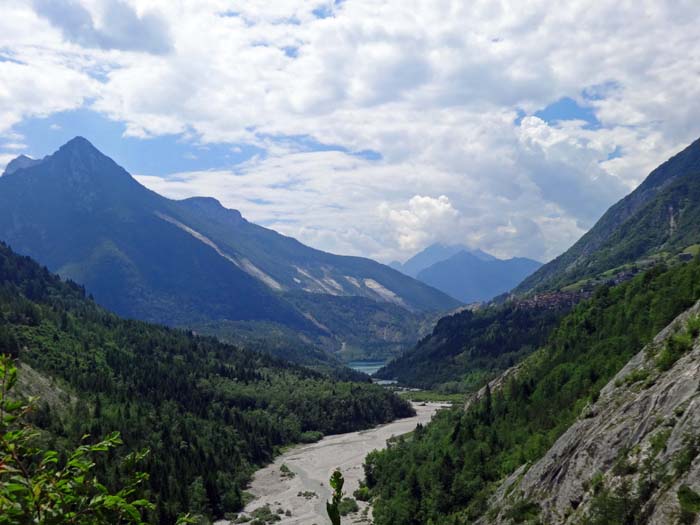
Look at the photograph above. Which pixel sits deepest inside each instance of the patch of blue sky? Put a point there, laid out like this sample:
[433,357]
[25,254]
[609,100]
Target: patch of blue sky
[600,91]
[101,74]
[291,51]
[6,57]
[615,154]
[327,10]
[520,115]
[568,109]
[160,155]
[368,154]
[565,109]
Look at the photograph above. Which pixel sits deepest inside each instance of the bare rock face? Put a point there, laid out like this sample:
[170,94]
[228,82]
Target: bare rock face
[636,448]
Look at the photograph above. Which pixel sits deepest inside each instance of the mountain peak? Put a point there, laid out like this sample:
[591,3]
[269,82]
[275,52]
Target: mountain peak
[210,202]
[20,163]
[78,144]
[82,175]
[79,155]
[212,208]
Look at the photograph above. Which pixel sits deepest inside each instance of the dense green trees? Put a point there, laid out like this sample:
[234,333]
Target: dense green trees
[445,472]
[36,486]
[466,348]
[208,412]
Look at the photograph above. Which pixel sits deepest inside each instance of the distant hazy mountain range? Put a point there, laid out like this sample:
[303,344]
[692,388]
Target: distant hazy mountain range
[195,263]
[466,274]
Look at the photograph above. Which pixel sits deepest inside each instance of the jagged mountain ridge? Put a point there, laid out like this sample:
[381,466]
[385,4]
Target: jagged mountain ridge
[177,262]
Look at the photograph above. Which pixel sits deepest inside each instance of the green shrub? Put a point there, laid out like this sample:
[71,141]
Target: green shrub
[689,500]
[639,374]
[348,506]
[685,456]
[692,326]
[658,441]
[597,482]
[310,436]
[286,473]
[673,350]
[264,515]
[363,493]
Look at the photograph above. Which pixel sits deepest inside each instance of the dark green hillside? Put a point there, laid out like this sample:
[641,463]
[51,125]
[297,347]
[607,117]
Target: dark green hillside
[445,473]
[369,330]
[669,223]
[658,218]
[467,348]
[349,328]
[208,412]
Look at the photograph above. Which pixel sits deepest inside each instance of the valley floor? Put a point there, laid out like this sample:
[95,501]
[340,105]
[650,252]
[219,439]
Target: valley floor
[305,494]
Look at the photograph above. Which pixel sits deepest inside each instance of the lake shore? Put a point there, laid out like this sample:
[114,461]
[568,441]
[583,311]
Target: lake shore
[304,493]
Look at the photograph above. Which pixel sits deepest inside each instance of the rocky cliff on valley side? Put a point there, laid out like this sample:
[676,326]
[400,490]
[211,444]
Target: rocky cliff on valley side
[631,457]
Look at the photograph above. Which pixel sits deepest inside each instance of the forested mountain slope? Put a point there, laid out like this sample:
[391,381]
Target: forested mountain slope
[181,263]
[472,346]
[208,412]
[660,217]
[449,470]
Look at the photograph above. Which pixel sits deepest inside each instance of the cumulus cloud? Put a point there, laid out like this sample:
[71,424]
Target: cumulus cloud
[445,92]
[424,219]
[120,28]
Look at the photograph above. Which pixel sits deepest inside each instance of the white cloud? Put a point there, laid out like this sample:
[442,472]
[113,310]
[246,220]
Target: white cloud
[5,159]
[38,75]
[120,26]
[424,219]
[433,86]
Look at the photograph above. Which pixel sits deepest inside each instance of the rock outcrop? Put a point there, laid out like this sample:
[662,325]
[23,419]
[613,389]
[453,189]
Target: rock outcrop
[631,453]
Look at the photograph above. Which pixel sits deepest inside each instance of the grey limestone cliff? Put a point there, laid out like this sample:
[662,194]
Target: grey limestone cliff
[633,452]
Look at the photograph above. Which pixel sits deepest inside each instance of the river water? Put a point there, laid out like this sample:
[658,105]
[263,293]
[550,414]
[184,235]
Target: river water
[304,495]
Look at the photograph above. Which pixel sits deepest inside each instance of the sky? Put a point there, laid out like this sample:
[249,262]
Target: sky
[365,127]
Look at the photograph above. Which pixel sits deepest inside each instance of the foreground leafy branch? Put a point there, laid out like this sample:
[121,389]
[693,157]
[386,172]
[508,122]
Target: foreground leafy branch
[36,487]
[333,506]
